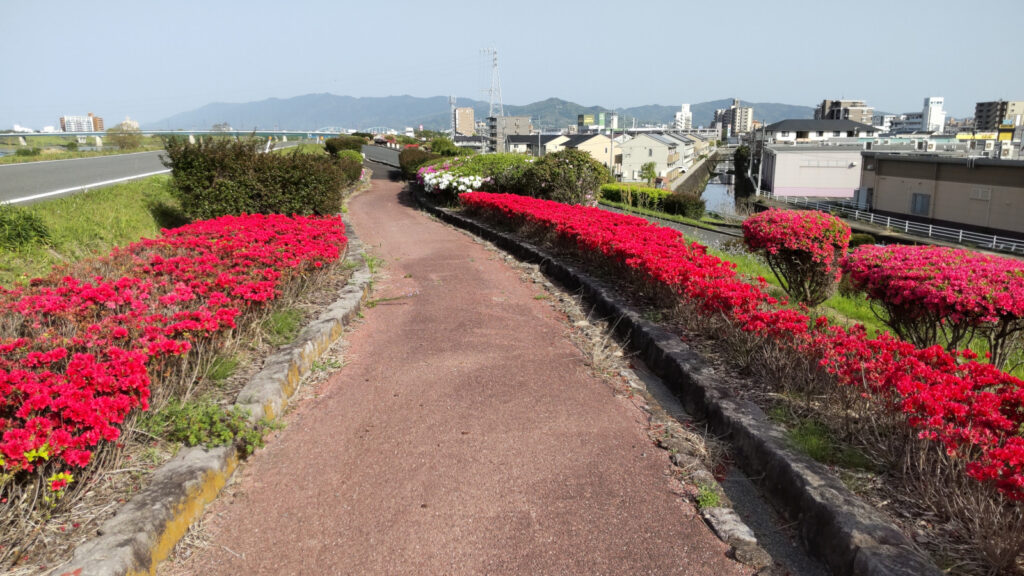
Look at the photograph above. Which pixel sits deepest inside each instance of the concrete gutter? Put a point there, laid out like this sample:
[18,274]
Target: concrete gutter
[146,528]
[849,536]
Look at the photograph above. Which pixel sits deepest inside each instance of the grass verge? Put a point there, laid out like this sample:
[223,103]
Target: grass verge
[705,223]
[91,224]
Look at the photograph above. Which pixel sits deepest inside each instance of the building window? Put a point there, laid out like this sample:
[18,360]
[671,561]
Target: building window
[785,133]
[820,133]
[920,204]
[650,152]
[835,134]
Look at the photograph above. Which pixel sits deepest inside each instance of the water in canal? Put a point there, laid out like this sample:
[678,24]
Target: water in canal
[720,195]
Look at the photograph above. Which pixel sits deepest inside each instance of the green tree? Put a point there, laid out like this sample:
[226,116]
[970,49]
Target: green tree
[648,171]
[444,146]
[428,134]
[124,136]
[569,176]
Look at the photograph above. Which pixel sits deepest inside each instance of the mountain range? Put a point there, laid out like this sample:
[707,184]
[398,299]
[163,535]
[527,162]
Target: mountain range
[313,111]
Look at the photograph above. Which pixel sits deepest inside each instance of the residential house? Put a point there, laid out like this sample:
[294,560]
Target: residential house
[599,146]
[701,146]
[477,143]
[686,151]
[644,148]
[532,144]
[800,131]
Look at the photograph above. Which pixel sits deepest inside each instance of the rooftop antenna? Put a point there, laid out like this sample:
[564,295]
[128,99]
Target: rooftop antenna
[494,94]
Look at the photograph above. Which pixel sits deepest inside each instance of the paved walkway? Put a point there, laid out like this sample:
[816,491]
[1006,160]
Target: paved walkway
[463,436]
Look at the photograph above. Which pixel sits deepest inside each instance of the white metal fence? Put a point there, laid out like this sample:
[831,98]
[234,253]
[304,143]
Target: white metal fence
[974,239]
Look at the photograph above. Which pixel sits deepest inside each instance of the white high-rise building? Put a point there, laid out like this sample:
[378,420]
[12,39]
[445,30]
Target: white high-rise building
[933,117]
[684,118]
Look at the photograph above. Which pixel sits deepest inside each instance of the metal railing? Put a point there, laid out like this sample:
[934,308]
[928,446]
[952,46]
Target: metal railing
[965,237]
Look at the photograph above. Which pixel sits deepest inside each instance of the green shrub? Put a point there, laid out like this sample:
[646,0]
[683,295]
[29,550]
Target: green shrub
[339,143]
[505,173]
[569,176]
[639,196]
[859,239]
[203,423]
[683,204]
[707,497]
[71,146]
[216,177]
[351,163]
[410,159]
[19,227]
[27,151]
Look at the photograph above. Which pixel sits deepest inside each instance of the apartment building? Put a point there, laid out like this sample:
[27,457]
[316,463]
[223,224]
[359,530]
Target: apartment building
[463,121]
[990,115]
[738,119]
[499,127]
[683,119]
[88,123]
[855,110]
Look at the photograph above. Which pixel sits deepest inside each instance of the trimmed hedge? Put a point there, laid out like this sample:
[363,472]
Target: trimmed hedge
[639,196]
[335,145]
[410,159]
[217,177]
[684,204]
[351,162]
[860,238]
[679,203]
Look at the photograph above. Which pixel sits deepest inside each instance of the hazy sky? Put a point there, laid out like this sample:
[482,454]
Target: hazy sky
[149,59]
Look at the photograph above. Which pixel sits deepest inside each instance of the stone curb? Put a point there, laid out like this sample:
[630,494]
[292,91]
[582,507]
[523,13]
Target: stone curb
[849,536]
[145,529]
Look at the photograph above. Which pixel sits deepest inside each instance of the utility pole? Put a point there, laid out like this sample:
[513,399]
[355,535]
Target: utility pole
[760,163]
[611,152]
[451,114]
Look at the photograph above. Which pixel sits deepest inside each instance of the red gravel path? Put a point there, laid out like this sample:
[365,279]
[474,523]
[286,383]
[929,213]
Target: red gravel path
[464,436]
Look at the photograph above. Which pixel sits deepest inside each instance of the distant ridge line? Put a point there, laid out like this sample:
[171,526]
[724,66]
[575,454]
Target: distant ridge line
[311,111]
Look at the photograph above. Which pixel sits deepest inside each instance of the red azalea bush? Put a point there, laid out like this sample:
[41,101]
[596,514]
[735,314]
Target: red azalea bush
[938,295]
[974,411]
[78,354]
[802,247]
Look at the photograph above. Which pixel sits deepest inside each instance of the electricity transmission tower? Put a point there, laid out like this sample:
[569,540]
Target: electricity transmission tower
[494,94]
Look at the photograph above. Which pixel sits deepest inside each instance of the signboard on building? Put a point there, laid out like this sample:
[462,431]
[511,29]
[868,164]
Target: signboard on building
[585,119]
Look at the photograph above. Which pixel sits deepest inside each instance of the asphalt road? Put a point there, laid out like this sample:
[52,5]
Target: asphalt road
[381,155]
[34,181]
[21,183]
